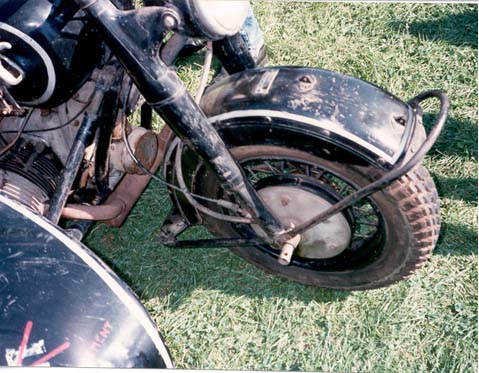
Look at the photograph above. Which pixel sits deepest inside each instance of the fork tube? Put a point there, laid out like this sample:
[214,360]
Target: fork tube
[132,36]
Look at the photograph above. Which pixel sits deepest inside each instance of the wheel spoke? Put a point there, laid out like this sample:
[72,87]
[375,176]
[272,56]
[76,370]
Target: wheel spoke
[252,173]
[343,189]
[364,222]
[275,171]
[308,170]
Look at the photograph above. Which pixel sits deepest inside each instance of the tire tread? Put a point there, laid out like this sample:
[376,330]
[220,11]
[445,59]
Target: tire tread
[418,199]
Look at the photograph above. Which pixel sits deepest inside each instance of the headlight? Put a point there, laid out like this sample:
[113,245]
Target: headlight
[212,19]
[216,19]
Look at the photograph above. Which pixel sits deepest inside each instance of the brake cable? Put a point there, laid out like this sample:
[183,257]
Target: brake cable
[179,147]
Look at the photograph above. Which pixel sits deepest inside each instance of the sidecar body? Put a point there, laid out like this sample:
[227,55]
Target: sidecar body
[60,305]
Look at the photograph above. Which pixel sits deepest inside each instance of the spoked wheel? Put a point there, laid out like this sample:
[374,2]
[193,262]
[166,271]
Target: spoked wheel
[380,240]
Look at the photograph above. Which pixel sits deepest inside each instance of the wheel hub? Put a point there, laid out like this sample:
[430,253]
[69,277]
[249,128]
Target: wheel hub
[295,205]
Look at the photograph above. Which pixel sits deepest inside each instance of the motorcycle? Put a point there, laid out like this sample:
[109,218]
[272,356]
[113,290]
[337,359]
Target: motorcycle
[306,173]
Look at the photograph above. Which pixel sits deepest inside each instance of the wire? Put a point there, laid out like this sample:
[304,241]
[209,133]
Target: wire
[80,112]
[205,72]
[188,195]
[18,133]
[5,142]
[222,203]
[198,206]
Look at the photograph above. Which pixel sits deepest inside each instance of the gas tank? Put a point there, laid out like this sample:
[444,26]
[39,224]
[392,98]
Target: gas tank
[53,44]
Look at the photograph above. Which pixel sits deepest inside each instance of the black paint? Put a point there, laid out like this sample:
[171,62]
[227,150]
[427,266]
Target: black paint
[45,282]
[72,44]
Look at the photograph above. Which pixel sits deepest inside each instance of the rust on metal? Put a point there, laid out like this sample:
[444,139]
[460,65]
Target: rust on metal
[119,204]
[105,211]
[144,144]
[132,186]
[287,250]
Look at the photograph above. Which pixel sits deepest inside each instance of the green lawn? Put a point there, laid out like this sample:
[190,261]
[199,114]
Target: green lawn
[217,312]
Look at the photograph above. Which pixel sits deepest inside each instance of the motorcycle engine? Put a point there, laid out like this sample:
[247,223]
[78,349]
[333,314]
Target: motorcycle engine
[29,173]
[30,170]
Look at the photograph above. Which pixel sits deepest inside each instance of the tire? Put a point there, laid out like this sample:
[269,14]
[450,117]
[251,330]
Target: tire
[406,227]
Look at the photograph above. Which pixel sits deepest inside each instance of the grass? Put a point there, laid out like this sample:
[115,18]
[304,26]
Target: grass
[217,312]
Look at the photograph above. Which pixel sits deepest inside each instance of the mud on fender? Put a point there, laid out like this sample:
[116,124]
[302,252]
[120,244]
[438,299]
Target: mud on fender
[309,104]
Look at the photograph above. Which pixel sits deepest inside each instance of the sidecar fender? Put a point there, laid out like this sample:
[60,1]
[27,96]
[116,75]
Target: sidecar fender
[304,105]
[60,305]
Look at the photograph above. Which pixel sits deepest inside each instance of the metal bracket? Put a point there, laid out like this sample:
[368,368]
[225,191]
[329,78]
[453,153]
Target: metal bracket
[174,225]
[8,105]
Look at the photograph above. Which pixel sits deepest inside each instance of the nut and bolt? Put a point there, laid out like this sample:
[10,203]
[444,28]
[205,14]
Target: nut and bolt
[170,21]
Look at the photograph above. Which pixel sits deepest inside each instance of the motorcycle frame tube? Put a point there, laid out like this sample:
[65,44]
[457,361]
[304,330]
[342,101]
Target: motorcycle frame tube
[72,165]
[132,36]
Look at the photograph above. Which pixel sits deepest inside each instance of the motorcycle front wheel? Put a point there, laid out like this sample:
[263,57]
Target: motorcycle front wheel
[380,240]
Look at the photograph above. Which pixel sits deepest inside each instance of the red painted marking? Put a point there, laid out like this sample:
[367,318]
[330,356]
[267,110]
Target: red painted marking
[24,342]
[56,351]
[101,336]
[95,346]
[106,330]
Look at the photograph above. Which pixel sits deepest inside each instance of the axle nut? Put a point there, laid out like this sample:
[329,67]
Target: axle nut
[170,22]
[288,249]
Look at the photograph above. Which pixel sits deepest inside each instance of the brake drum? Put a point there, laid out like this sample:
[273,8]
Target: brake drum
[295,205]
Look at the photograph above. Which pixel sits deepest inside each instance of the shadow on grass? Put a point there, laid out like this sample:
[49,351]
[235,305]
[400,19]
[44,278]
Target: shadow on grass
[459,137]
[456,239]
[221,270]
[177,273]
[458,29]
[464,188]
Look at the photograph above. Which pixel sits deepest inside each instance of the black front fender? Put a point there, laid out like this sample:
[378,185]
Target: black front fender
[306,104]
